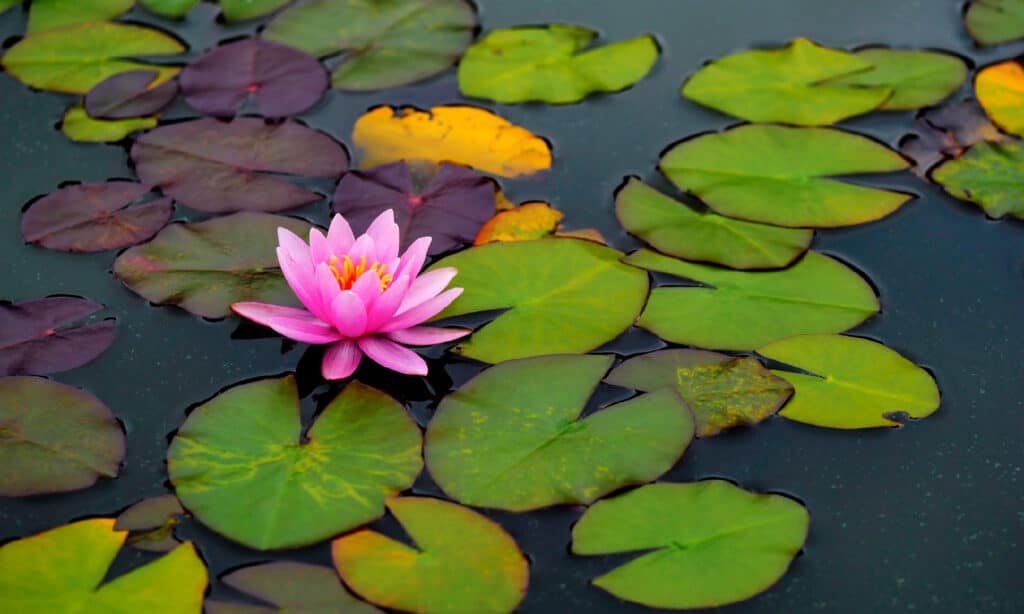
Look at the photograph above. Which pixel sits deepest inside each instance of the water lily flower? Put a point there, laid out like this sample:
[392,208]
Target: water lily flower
[360,297]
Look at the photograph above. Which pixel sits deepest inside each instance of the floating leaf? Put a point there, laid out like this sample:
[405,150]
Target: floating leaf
[63,570]
[780,175]
[508,439]
[723,391]
[54,438]
[548,64]
[528,221]
[206,266]
[917,78]
[76,58]
[233,10]
[992,22]
[129,94]
[290,587]
[851,383]
[451,207]
[793,85]
[220,167]
[699,545]
[35,336]
[990,175]
[946,132]
[737,310]
[385,44]
[462,563]
[8,4]
[154,520]
[169,8]
[248,441]
[464,135]
[675,229]
[93,217]
[1000,90]
[280,80]
[53,14]
[561,296]
[78,126]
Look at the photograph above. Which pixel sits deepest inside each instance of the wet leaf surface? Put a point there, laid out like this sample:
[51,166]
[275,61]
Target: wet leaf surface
[528,221]
[54,14]
[248,441]
[38,336]
[152,523]
[990,175]
[1000,90]
[79,127]
[462,563]
[53,438]
[992,22]
[508,439]
[550,64]
[851,383]
[946,132]
[128,94]
[704,544]
[92,217]
[917,78]
[291,588]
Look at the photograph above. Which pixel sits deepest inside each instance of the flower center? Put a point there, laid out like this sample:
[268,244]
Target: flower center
[347,272]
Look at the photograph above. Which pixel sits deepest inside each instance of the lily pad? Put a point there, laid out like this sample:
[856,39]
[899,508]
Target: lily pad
[152,521]
[737,310]
[221,167]
[37,337]
[793,85]
[452,206]
[248,441]
[461,562]
[76,58]
[699,545]
[93,217]
[129,94]
[561,296]
[8,4]
[917,78]
[528,221]
[508,439]
[990,175]
[79,127]
[54,438]
[63,570]
[723,391]
[233,10]
[206,266]
[289,587]
[548,64]
[851,383]
[385,43]
[992,22]
[673,228]
[781,175]
[946,132]
[53,14]
[282,81]
[463,135]
[1000,90]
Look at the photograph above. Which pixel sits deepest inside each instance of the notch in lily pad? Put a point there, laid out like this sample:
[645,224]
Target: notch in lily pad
[40,336]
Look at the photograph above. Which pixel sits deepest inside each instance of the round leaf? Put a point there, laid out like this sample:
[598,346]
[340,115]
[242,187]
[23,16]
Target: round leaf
[290,587]
[992,22]
[1000,90]
[53,14]
[248,441]
[79,127]
[129,94]
[35,336]
[702,545]
[917,78]
[990,175]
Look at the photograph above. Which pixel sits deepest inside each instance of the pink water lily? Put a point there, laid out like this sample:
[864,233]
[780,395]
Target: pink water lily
[361,297]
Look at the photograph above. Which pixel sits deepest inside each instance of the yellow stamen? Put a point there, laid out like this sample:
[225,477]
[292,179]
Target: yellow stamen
[350,272]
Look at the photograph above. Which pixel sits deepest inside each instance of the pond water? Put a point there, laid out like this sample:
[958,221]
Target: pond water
[927,517]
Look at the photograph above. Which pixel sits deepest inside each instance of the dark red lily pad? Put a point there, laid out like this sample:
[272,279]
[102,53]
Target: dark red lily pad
[220,167]
[280,80]
[452,207]
[127,95]
[151,522]
[93,217]
[32,340]
[946,132]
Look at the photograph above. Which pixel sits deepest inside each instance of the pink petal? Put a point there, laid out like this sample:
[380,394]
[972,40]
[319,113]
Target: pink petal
[414,257]
[426,287]
[427,335]
[339,235]
[392,356]
[301,279]
[368,288]
[340,359]
[363,247]
[387,303]
[319,250]
[293,246]
[422,312]
[297,324]
[348,314]
[327,286]
[384,231]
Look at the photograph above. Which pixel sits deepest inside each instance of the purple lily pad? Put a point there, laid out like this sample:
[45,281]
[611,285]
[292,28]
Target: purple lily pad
[451,207]
[31,340]
[221,167]
[127,95]
[93,217]
[281,80]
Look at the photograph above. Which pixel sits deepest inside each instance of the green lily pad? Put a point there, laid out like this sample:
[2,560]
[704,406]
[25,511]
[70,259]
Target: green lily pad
[737,310]
[509,439]
[233,10]
[780,175]
[63,570]
[992,22]
[8,4]
[562,295]
[991,175]
[791,85]
[78,126]
[675,229]
[206,266]
[723,391]
[851,383]
[75,58]
[548,64]
[53,14]
[700,545]
[291,587]
[462,562]
[387,43]
[54,438]
[248,441]
[917,78]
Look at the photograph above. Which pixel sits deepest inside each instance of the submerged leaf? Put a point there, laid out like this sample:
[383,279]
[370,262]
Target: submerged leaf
[528,221]
[917,78]
[290,587]
[129,94]
[992,22]
[37,337]
[946,132]
[1000,90]
[990,175]
[79,127]
[53,14]
[153,521]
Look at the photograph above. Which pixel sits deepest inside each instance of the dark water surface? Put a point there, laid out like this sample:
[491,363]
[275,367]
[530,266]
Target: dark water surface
[925,518]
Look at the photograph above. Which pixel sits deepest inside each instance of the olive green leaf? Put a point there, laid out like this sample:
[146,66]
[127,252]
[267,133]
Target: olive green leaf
[992,22]
[78,126]
[917,78]
[8,4]
[293,588]
[233,10]
[152,523]
[990,175]
[738,310]
[699,545]
[53,14]
[851,383]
